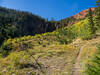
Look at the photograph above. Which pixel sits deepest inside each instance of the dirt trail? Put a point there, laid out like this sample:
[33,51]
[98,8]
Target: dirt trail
[77,65]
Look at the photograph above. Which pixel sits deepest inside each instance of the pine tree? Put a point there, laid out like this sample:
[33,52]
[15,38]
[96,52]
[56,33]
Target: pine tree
[91,23]
[97,14]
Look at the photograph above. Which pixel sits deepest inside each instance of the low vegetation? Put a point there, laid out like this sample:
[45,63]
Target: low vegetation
[94,65]
[51,53]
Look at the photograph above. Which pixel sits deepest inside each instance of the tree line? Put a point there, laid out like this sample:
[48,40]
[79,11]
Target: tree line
[14,23]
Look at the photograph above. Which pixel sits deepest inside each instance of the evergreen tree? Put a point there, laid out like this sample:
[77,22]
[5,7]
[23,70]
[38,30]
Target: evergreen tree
[97,13]
[91,23]
[3,33]
[94,67]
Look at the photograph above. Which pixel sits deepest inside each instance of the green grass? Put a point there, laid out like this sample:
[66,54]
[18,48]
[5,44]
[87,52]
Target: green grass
[93,67]
[58,58]
[57,51]
[60,36]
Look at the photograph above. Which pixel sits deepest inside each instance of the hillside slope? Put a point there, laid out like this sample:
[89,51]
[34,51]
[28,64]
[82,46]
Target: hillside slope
[14,23]
[54,59]
[77,17]
[86,54]
[53,53]
[83,13]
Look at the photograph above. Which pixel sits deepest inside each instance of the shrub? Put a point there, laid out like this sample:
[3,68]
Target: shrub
[93,68]
[6,48]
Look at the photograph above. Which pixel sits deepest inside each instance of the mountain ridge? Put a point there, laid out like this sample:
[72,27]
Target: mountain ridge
[83,13]
[64,51]
[22,23]
[77,17]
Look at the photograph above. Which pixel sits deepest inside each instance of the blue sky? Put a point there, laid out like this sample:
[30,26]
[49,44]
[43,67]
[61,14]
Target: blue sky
[57,9]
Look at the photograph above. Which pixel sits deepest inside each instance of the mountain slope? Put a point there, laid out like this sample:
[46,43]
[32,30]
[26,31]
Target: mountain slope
[52,53]
[76,18]
[15,23]
[83,13]
[55,59]
[66,50]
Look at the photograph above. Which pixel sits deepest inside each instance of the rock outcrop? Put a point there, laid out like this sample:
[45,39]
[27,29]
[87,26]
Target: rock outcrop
[82,14]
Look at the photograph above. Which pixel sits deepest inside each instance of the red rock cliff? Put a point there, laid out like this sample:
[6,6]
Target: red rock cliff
[82,14]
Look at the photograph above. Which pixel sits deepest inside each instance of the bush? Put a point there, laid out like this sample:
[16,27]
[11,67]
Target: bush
[93,68]
[6,48]
[63,41]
